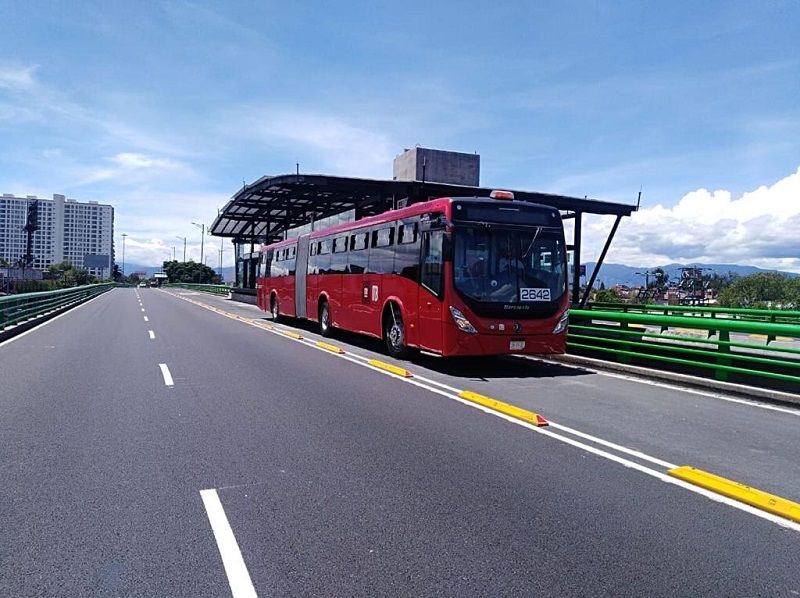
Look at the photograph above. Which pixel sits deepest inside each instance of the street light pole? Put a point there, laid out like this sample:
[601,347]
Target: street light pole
[124,236]
[184,247]
[202,228]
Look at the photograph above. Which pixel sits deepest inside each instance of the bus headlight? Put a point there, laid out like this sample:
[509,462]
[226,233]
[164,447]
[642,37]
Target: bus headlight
[562,323]
[461,321]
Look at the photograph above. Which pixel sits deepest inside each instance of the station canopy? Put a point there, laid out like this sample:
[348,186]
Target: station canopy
[267,208]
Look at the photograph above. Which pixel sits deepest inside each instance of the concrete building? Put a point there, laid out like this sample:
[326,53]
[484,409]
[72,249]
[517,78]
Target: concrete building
[438,166]
[81,233]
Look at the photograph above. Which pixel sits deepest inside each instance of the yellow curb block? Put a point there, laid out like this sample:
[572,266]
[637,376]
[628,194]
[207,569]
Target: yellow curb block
[331,348]
[516,412]
[751,496]
[390,368]
[291,334]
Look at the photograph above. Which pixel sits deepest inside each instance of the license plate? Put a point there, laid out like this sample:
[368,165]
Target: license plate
[529,294]
[516,345]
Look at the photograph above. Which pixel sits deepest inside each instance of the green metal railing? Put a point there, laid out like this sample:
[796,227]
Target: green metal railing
[218,289]
[15,309]
[773,316]
[723,347]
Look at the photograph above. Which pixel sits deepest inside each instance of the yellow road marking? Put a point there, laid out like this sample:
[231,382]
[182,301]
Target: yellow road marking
[513,411]
[751,496]
[291,334]
[331,348]
[403,373]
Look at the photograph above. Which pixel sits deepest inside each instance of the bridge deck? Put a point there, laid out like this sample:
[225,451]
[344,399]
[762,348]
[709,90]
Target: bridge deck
[338,478]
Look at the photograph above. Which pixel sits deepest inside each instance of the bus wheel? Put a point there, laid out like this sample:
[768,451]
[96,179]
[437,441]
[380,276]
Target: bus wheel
[273,307]
[394,332]
[325,328]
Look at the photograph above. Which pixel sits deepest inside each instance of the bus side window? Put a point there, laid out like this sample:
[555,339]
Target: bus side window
[358,252]
[406,256]
[289,267]
[324,256]
[266,264]
[312,257]
[339,257]
[432,277]
[275,270]
[381,254]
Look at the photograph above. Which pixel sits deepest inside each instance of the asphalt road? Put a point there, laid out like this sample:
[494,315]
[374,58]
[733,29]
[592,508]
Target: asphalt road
[336,479]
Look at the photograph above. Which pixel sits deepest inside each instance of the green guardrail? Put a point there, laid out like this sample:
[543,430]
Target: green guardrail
[217,289]
[723,348]
[15,309]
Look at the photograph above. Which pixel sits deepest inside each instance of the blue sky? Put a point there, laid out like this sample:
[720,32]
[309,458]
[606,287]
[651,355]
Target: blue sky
[163,108]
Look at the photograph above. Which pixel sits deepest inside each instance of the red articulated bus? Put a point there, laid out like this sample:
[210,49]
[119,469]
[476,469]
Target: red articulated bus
[454,276]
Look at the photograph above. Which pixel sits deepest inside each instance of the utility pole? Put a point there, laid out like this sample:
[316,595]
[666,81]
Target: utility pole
[202,228]
[124,236]
[184,247]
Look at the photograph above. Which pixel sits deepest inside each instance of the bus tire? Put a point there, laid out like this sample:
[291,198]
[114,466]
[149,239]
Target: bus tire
[274,308]
[394,332]
[325,326]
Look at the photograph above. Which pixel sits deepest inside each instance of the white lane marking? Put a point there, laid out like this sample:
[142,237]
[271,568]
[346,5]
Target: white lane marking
[712,395]
[421,383]
[152,334]
[613,445]
[146,319]
[142,309]
[53,319]
[235,568]
[167,376]
[668,386]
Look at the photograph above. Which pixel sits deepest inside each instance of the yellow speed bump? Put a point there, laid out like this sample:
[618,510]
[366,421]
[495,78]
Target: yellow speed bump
[397,371]
[331,348]
[291,334]
[523,414]
[751,496]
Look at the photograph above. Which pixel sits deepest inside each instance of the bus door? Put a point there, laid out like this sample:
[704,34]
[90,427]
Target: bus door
[431,291]
[301,271]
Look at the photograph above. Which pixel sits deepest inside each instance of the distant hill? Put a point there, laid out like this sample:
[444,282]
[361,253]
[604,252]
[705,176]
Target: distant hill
[614,274]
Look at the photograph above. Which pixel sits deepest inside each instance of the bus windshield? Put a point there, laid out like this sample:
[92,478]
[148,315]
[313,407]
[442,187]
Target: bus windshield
[498,265]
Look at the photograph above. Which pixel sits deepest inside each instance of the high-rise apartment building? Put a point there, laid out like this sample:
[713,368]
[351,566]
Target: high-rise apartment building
[81,233]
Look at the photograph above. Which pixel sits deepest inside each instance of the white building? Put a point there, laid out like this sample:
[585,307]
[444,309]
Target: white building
[78,232]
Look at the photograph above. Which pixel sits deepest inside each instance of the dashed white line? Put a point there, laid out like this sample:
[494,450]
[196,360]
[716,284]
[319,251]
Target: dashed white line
[146,319]
[167,376]
[235,569]
[142,309]
[152,334]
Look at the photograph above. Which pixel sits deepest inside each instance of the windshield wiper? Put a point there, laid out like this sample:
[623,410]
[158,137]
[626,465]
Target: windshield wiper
[528,250]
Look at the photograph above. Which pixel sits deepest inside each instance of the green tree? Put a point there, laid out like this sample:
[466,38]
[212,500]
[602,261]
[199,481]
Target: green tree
[188,272]
[607,296]
[4,262]
[755,291]
[792,293]
[718,282]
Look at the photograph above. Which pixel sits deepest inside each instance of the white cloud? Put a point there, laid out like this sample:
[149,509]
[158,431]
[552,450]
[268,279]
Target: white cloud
[760,228]
[127,167]
[326,143]
[17,78]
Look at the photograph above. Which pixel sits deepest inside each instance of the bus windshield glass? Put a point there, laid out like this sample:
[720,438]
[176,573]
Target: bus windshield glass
[498,265]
